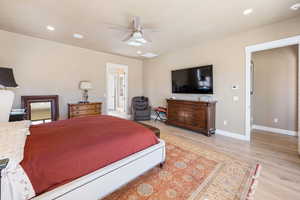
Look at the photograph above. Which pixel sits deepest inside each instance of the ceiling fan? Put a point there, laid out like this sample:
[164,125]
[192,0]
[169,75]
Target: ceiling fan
[137,36]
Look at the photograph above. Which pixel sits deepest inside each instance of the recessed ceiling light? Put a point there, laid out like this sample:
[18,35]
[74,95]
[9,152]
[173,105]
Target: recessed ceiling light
[149,55]
[295,6]
[50,28]
[248,11]
[139,52]
[78,36]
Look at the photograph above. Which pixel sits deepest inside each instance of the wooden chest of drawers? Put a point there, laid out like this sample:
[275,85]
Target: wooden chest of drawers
[194,115]
[84,109]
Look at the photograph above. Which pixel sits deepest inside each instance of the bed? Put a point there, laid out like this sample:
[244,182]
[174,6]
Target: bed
[82,158]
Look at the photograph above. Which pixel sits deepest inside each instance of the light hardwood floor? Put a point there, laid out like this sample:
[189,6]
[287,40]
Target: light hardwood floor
[280,176]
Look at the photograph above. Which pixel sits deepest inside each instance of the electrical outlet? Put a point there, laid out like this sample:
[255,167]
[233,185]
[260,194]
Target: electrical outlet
[235,87]
[225,122]
[276,120]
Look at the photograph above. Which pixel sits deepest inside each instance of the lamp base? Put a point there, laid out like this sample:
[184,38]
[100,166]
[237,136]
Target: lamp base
[85,97]
[83,102]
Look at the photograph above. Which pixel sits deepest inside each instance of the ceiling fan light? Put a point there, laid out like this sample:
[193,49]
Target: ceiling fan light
[142,40]
[134,43]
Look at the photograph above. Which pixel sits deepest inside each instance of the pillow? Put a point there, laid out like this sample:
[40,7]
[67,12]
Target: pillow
[12,140]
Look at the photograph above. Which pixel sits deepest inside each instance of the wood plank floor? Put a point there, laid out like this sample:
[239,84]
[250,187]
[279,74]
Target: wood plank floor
[280,176]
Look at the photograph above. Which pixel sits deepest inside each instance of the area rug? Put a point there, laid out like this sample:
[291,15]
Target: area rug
[193,171]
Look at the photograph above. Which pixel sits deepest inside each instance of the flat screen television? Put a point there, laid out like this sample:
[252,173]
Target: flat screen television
[196,80]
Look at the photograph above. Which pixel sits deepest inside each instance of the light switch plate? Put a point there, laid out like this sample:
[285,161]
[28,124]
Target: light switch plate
[236,98]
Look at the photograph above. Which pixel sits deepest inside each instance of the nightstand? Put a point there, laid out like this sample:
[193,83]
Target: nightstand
[13,117]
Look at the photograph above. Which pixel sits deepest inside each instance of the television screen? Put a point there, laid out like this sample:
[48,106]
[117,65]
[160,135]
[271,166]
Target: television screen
[197,80]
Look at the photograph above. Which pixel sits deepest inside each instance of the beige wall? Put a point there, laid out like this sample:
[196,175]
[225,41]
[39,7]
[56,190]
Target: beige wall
[228,57]
[275,88]
[44,67]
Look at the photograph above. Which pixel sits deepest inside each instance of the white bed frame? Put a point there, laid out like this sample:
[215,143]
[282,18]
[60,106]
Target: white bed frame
[104,181]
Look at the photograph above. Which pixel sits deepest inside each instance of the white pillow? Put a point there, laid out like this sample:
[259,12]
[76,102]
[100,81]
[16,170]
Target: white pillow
[12,140]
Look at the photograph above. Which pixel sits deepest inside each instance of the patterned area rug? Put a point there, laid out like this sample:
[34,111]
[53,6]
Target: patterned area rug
[193,172]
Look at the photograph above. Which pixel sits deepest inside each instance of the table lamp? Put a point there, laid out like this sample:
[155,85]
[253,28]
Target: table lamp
[7,80]
[85,86]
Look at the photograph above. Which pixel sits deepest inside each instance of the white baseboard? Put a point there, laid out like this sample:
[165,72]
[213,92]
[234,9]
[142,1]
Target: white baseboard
[274,130]
[124,116]
[226,133]
[232,135]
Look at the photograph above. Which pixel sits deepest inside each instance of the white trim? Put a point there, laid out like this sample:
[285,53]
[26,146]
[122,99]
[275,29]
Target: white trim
[274,130]
[232,135]
[100,183]
[298,99]
[249,50]
[125,67]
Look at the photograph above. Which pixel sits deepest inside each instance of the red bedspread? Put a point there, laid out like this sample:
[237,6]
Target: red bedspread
[59,152]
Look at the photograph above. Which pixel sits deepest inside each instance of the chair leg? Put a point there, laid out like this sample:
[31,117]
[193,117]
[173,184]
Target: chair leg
[160,117]
[157,116]
[161,165]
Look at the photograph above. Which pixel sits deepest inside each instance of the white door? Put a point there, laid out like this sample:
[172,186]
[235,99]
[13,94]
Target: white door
[111,92]
[117,88]
[121,92]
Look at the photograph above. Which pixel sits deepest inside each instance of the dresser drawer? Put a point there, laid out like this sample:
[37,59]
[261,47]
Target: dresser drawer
[85,107]
[85,113]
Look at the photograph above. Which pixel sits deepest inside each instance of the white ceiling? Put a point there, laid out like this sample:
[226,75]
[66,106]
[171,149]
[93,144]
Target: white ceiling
[181,23]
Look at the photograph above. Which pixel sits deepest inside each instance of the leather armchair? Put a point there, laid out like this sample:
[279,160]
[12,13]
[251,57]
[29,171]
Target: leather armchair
[6,102]
[140,108]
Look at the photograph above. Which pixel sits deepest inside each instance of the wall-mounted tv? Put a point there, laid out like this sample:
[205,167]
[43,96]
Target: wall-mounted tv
[196,80]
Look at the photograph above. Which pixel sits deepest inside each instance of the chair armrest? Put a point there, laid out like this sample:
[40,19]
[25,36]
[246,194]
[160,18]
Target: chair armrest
[132,110]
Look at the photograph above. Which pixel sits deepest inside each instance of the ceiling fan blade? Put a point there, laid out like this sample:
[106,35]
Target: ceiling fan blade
[152,30]
[127,37]
[118,27]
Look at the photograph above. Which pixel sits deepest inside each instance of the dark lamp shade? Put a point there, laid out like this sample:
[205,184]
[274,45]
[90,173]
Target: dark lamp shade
[7,78]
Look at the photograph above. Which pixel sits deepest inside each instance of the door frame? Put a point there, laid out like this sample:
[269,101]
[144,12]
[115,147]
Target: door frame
[117,66]
[260,47]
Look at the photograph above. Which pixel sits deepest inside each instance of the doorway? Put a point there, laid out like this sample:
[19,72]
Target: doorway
[250,50]
[275,91]
[117,90]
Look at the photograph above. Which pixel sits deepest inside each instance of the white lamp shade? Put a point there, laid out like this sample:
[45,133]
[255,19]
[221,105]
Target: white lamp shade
[7,98]
[85,85]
